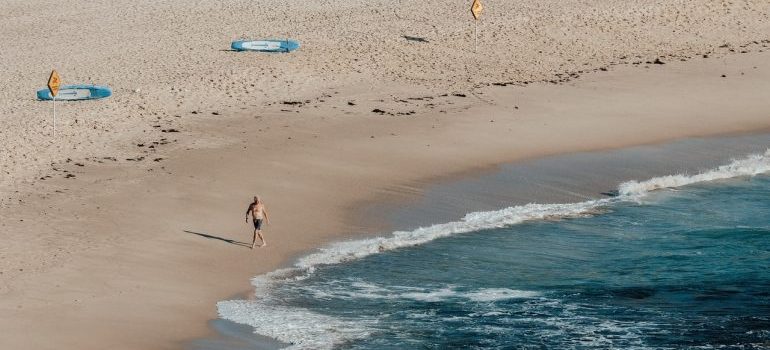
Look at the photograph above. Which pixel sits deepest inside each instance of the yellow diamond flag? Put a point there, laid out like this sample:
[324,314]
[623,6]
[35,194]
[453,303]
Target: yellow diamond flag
[53,83]
[476,9]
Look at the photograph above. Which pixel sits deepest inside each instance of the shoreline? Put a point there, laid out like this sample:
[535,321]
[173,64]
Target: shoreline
[563,179]
[308,287]
[125,255]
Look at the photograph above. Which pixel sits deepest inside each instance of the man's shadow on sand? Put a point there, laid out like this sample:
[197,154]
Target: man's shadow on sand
[204,235]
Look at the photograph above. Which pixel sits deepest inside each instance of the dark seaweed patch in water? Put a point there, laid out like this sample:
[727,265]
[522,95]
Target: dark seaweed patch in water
[634,293]
[715,294]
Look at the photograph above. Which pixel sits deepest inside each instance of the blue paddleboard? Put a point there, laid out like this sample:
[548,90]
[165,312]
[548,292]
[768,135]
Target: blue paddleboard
[268,45]
[76,92]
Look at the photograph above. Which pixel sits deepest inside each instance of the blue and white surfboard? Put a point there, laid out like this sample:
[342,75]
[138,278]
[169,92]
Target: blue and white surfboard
[268,45]
[76,92]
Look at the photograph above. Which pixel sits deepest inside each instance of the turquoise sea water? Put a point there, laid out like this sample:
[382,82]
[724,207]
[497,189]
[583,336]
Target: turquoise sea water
[671,263]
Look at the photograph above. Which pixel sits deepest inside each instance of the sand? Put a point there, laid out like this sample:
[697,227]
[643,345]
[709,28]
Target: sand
[166,59]
[99,225]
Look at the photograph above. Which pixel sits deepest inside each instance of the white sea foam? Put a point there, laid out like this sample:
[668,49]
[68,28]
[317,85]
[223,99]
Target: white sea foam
[299,327]
[495,294]
[304,329]
[750,166]
[363,290]
[352,250]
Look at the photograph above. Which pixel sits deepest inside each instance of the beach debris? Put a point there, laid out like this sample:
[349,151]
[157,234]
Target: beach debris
[415,39]
[378,111]
[169,130]
[459,95]
[351,103]
[658,61]
[724,75]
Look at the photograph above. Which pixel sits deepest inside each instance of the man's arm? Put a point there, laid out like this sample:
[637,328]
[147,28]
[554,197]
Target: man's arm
[267,219]
[251,206]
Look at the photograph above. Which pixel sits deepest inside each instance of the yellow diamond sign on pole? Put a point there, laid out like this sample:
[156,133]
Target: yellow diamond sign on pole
[476,9]
[54,82]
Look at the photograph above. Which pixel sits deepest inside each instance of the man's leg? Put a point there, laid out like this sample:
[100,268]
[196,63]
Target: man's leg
[254,241]
[259,232]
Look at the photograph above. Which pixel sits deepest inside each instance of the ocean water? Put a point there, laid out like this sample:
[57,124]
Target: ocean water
[673,262]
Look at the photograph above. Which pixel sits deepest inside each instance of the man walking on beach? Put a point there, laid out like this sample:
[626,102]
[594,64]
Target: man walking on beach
[258,213]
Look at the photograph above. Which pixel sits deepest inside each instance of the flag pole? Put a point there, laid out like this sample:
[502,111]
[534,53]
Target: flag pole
[476,8]
[54,116]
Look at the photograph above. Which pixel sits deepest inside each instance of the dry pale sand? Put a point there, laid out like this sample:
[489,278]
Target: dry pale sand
[165,59]
[102,230]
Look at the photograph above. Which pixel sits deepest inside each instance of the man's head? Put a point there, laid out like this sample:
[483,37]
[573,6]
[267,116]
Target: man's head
[256,199]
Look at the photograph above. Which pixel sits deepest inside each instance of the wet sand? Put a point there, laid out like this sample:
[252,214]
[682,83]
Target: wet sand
[568,178]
